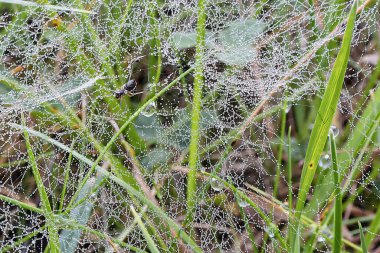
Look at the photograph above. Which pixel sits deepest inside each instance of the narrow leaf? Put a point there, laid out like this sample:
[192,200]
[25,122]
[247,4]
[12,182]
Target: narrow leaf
[323,121]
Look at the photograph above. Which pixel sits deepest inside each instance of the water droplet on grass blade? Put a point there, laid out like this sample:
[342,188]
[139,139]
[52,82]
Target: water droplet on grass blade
[325,161]
[150,110]
[288,107]
[216,185]
[334,130]
[270,231]
[321,239]
[242,203]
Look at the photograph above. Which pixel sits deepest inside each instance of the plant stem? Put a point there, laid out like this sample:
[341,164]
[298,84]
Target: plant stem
[196,112]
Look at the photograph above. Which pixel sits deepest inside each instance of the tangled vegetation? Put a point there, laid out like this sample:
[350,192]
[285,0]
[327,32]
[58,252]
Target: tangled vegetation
[189,126]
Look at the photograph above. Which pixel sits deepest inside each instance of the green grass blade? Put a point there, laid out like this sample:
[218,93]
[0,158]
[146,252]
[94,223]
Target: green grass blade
[196,112]
[152,246]
[337,243]
[53,232]
[21,204]
[362,239]
[323,121]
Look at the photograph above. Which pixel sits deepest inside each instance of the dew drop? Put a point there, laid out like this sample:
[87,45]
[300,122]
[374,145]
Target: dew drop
[325,161]
[270,231]
[151,86]
[150,110]
[242,203]
[287,109]
[216,185]
[334,130]
[321,239]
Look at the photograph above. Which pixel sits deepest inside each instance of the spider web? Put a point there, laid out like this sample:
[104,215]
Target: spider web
[61,68]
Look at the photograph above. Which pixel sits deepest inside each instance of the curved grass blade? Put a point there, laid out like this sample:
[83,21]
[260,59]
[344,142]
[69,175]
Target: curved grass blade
[323,121]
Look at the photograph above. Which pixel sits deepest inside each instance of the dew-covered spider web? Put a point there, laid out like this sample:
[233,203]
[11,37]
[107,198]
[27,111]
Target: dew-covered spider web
[64,66]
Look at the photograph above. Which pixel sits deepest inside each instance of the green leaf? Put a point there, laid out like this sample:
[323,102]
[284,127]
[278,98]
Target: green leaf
[238,56]
[148,128]
[240,33]
[178,134]
[156,157]
[183,40]
[69,239]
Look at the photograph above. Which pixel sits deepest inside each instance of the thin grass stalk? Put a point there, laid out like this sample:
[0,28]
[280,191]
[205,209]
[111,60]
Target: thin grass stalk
[196,112]
[337,243]
[154,61]
[53,232]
